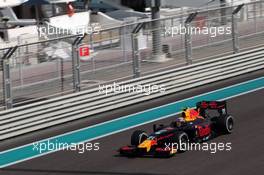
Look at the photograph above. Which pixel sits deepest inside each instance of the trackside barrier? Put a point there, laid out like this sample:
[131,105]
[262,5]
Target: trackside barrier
[33,117]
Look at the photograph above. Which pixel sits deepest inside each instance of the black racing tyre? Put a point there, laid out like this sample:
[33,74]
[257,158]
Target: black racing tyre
[226,124]
[138,137]
[182,141]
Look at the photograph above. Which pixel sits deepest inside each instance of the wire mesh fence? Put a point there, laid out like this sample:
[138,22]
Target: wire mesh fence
[58,66]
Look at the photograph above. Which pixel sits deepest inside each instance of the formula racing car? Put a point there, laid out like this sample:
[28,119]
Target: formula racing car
[208,120]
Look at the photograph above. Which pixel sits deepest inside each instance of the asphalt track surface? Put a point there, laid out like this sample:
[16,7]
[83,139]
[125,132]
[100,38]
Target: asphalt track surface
[246,156]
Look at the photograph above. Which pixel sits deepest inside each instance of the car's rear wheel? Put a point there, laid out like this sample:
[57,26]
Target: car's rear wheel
[226,124]
[138,137]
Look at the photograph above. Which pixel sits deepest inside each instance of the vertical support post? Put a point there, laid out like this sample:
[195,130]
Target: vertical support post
[123,42]
[188,44]
[135,50]
[235,34]
[247,13]
[62,74]
[136,56]
[78,71]
[7,84]
[125,39]
[7,87]
[188,37]
[92,48]
[74,50]
[91,41]
[76,64]
[156,33]
[235,37]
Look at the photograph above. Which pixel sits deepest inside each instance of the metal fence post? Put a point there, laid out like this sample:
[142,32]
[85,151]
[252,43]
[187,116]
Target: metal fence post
[156,32]
[188,37]
[74,50]
[235,33]
[188,44]
[136,57]
[7,87]
[76,64]
[135,50]
[123,33]
[62,74]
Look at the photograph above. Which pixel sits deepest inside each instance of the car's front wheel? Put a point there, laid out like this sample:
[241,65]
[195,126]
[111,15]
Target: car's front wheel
[138,137]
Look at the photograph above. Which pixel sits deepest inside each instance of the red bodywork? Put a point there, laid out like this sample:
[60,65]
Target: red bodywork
[204,130]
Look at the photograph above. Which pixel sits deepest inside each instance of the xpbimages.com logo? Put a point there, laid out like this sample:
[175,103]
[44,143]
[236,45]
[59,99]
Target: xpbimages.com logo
[146,89]
[212,147]
[42,147]
[49,30]
[211,31]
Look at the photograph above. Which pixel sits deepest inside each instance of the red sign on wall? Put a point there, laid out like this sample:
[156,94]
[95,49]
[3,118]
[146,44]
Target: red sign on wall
[84,51]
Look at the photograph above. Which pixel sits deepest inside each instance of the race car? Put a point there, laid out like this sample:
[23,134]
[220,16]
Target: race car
[208,120]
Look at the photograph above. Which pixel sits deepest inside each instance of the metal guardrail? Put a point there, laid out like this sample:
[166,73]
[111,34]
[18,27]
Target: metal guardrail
[52,112]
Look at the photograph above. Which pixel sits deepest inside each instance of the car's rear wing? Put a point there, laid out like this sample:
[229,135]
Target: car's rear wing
[220,106]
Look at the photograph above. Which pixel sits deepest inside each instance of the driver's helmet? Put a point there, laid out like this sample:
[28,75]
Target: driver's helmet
[179,121]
